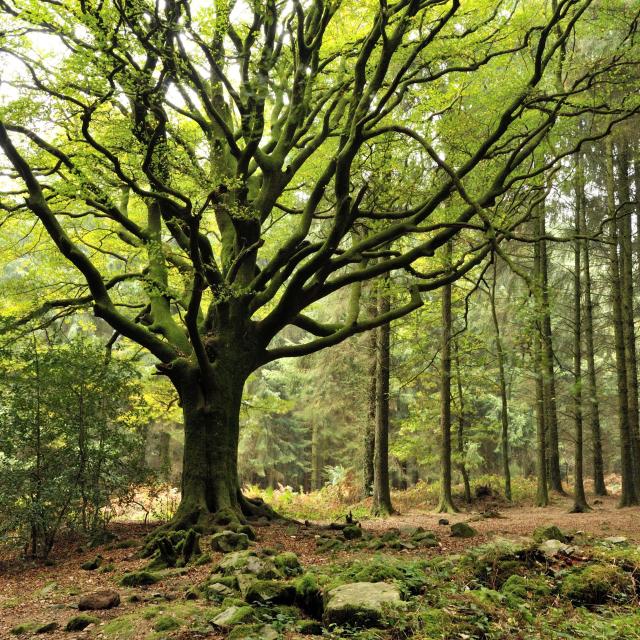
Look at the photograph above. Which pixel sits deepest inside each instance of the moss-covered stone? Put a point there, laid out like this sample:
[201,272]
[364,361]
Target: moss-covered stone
[309,595]
[549,532]
[24,628]
[463,530]
[271,592]
[139,578]
[92,565]
[233,616]
[80,622]
[248,562]
[525,587]
[361,603]
[352,532]
[228,541]
[288,563]
[309,628]
[597,584]
[254,632]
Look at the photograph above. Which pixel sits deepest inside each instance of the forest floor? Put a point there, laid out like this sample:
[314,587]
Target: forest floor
[32,595]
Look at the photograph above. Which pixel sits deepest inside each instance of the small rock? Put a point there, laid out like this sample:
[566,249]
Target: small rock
[103,599]
[309,628]
[254,632]
[288,563]
[462,530]
[616,540]
[139,578]
[92,565]
[553,548]
[551,532]
[228,541]
[48,627]
[232,616]
[78,623]
[360,603]
[443,522]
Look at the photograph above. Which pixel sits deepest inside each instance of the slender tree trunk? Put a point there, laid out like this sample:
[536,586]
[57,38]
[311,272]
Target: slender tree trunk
[504,405]
[381,491]
[542,493]
[370,427]
[316,457]
[462,467]
[628,495]
[551,412]
[592,384]
[446,499]
[579,498]
[626,278]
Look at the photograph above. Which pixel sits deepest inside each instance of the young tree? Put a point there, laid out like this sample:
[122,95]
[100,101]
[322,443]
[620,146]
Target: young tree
[203,170]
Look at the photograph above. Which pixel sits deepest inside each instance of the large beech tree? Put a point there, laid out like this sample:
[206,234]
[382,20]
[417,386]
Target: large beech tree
[214,171]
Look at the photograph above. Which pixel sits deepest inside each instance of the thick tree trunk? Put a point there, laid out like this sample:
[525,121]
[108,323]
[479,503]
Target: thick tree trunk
[381,490]
[628,496]
[551,412]
[504,406]
[592,384]
[579,499]
[210,488]
[445,504]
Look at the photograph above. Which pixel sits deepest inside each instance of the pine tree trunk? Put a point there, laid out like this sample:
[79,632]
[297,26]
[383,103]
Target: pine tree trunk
[504,406]
[592,384]
[628,496]
[462,467]
[446,500]
[579,498]
[626,277]
[542,493]
[381,490]
[370,427]
[551,412]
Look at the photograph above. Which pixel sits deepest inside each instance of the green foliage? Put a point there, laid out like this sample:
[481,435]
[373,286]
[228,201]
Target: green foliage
[597,584]
[71,439]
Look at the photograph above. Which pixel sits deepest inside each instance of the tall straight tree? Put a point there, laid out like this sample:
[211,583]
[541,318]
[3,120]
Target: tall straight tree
[550,402]
[462,423]
[629,495]
[579,498]
[600,488]
[504,404]
[445,504]
[381,488]
[197,170]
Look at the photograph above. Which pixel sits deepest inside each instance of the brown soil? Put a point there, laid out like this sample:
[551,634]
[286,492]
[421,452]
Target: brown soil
[31,592]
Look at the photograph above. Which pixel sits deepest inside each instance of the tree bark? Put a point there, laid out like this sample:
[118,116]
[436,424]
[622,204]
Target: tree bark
[504,406]
[445,504]
[316,457]
[579,499]
[592,384]
[462,467]
[551,412]
[370,427]
[626,279]
[542,493]
[381,490]
[629,495]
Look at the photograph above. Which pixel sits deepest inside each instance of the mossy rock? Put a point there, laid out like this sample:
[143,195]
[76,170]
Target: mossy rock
[122,628]
[309,595]
[390,535]
[25,627]
[597,584]
[424,539]
[217,592]
[309,628]
[233,616]
[326,544]
[352,532]
[239,562]
[525,587]
[166,623]
[253,632]
[80,622]
[550,532]
[363,604]
[270,592]
[247,531]
[139,578]
[228,541]
[92,565]
[463,530]
[288,563]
